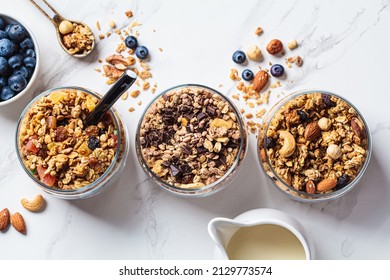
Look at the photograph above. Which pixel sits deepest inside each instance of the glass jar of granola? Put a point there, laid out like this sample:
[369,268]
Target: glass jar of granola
[191,140]
[314,145]
[62,156]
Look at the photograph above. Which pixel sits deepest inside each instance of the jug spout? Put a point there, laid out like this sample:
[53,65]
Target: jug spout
[221,230]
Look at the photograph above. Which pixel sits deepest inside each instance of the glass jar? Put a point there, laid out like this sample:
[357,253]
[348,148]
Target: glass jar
[189,125]
[290,170]
[115,167]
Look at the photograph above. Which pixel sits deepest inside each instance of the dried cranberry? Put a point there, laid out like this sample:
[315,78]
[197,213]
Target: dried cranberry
[269,143]
[326,98]
[61,134]
[93,143]
[342,181]
[303,116]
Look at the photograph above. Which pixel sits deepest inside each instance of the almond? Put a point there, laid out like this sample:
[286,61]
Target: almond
[312,131]
[4,219]
[18,223]
[310,187]
[274,47]
[358,128]
[326,185]
[260,80]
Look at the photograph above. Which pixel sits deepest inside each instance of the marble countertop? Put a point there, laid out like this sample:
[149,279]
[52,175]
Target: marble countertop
[345,47]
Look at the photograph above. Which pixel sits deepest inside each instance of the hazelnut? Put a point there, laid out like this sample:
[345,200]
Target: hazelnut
[334,151]
[65,27]
[254,53]
[274,47]
[324,124]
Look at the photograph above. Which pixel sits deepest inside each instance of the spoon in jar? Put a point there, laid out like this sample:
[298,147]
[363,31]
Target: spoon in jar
[82,41]
[124,83]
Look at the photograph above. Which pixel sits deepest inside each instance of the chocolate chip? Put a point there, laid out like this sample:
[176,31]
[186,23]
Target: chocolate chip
[201,150]
[175,172]
[201,116]
[211,111]
[187,150]
[187,179]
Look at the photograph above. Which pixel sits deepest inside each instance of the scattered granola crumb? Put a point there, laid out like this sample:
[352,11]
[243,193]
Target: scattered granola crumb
[135,93]
[220,85]
[249,115]
[108,34]
[234,74]
[145,86]
[112,24]
[125,95]
[121,47]
[235,96]
[131,109]
[117,31]
[242,111]
[129,14]
[160,49]
[251,105]
[259,31]
[261,113]
[153,90]
[145,75]
[139,103]
[294,59]
[98,25]
[98,70]
[101,36]
[100,60]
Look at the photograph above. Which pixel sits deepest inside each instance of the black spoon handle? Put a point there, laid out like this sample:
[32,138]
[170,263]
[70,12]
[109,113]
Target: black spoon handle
[123,84]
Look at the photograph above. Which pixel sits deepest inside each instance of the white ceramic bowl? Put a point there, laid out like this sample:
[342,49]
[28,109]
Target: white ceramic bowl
[12,19]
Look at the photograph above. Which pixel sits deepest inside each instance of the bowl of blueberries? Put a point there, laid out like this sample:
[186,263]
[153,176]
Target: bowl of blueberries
[18,59]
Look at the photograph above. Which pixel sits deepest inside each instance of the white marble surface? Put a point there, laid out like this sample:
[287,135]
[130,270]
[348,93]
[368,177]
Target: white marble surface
[345,46]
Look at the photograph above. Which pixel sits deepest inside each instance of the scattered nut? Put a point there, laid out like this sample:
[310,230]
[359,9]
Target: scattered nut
[260,80]
[312,131]
[288,143]
[292,45]
[4,219]
[324,123]
[254,53]
[65,27]
[326,185]
[112,24]
[274,47]
[259,31]
[34,205]
[18,223]
[310,187]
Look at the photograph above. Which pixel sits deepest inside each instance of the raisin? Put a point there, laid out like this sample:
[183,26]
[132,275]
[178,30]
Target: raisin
[342,181]
[269,143]
[93,143]
[61,134]
[326,98]
[303,116]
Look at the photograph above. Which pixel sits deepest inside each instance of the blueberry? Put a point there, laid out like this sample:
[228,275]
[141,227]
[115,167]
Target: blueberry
[342,181]
[23,71]
[247,75]
[3,66]
[326,98]
[7,93]
[17,32]
[15,61]
[277,70]
[141,52]
[30,53]
[3,34]
[2,24]
[3,81]
[269,143]
[27,44]
[7,48]
[7,28]
[239,57]
[93,142]
[302,115]
[29,62]
[131,42]
[17,82]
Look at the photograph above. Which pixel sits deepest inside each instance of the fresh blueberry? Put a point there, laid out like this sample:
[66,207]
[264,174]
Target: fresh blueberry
[303,116]
[3,66]
[2,24]
[17,82]
[7,28]
[27,43]
[7,48]
[23,71]
[93,143]
[7,93]
[17,32]
[15,61]
[277,70]
[3,34]
[247,75]
[131,42]
[342,181]
[29,62]
[141,52]
[269,143]
[239,57]
[3,81]
[30,53]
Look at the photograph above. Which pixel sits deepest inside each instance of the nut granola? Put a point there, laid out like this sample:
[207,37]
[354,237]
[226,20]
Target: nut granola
[312,145]
[190,137]
[55,146]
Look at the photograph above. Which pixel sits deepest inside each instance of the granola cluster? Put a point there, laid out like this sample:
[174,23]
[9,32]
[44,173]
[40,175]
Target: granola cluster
[316,143]
[79,40]
[55,146]
[190,137]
